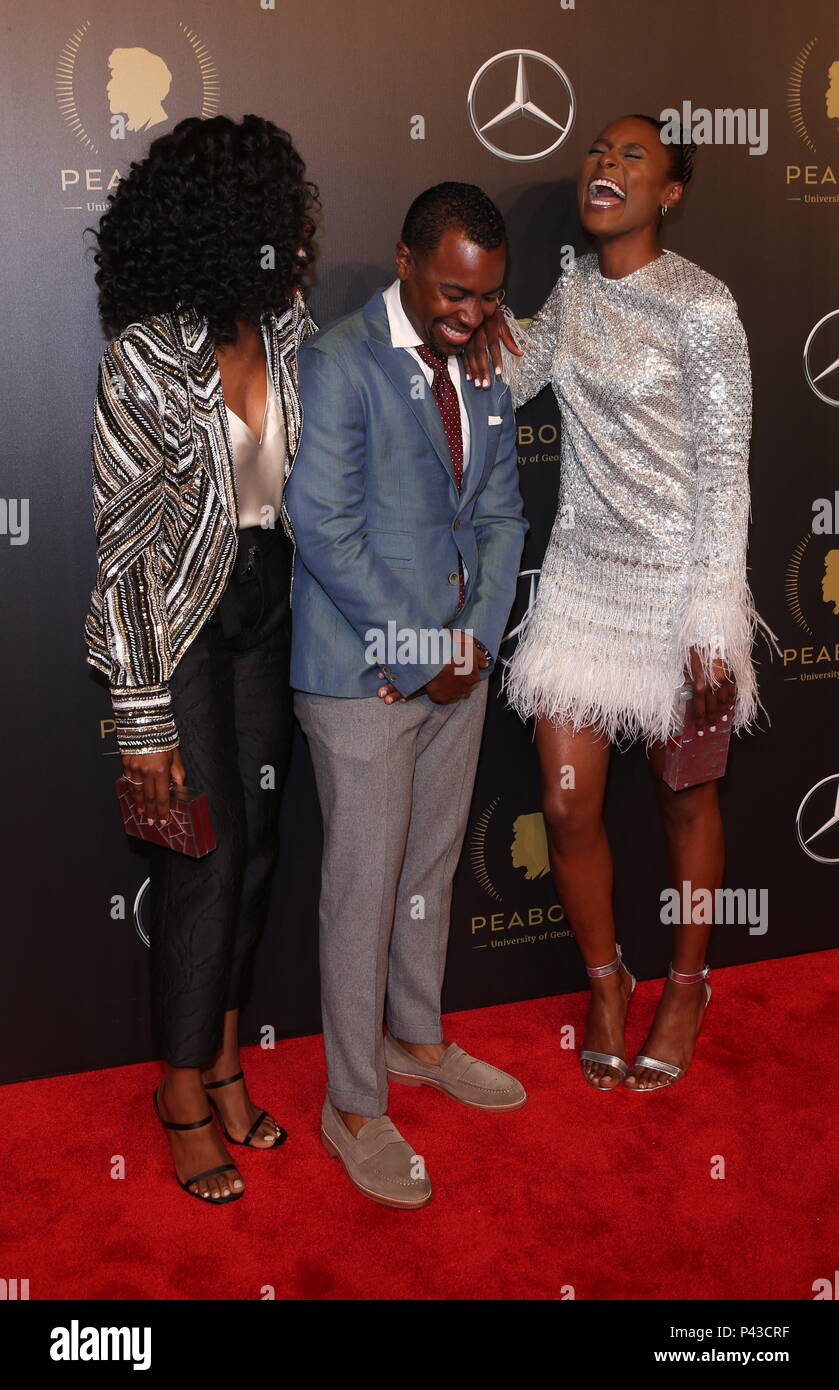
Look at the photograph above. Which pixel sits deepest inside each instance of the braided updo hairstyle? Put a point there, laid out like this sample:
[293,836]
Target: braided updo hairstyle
[681,151]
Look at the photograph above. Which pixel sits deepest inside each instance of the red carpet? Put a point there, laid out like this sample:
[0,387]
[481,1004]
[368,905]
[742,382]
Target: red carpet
[609,1194]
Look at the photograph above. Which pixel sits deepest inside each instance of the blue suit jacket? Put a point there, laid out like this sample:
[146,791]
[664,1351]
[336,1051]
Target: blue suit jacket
[377,520]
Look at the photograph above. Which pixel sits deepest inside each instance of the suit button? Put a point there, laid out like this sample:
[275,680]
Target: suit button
[457,526]
[454,577]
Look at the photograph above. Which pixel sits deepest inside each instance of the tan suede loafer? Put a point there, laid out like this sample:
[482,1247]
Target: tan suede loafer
[380,1163]
[460,1076]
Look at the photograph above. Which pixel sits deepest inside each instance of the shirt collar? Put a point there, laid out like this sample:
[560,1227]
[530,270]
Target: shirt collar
[402,331]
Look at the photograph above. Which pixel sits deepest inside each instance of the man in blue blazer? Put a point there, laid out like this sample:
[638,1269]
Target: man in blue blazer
[405,507]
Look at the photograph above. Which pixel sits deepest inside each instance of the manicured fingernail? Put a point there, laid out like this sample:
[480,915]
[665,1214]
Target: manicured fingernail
[485,381]
[700,733]
[468,376]
[497,371]
[713,728]
[725,719]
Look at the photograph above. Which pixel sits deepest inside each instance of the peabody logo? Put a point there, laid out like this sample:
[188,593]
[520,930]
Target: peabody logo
[515,846]
[813,106]
[521,105]
[813,88]
[812,594]
[121,82]
[813,575]
[513,841]
[817,821]
[821,358]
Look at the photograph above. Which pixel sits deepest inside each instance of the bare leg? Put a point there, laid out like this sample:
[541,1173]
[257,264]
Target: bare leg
[581,865]
[696,854]
[237,1109]
[181,1098]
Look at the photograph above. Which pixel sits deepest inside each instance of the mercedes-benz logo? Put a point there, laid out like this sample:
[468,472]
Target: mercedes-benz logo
[522,108]
[821,368]
[817,820]
[139,903]
[532,583]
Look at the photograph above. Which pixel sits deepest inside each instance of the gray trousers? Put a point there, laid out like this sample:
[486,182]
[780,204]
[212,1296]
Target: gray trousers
[394,783]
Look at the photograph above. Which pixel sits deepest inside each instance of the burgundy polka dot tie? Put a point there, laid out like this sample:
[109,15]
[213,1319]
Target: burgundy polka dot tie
[444,393]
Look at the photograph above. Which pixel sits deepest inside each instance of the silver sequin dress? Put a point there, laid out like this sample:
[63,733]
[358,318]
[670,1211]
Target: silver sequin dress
[647,557]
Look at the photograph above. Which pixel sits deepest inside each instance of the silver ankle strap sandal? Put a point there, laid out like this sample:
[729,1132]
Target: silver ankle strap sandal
[669,1068]
[606,1059]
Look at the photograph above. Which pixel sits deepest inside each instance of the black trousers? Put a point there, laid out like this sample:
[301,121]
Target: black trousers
[232,705]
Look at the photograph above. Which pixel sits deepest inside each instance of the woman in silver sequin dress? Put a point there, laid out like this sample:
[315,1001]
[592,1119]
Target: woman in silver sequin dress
[644,579]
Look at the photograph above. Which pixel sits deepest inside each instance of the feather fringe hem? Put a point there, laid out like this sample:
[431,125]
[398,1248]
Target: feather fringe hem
[566,672]
[580,692]
[724,628]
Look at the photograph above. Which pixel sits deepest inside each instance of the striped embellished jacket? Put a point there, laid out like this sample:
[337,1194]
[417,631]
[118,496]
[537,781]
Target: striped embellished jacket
[164,503]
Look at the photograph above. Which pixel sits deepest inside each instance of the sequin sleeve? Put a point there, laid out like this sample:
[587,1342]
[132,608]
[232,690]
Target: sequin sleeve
[128,495]
[527,375]
[718,615]
[306,326]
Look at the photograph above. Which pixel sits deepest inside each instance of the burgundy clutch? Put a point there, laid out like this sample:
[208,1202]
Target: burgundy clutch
[689,759]
[189,829]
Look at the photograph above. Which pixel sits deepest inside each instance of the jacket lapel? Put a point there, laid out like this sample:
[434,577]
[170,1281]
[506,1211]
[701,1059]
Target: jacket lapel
[477,403]
[281,335]
[406,375]
[206,400]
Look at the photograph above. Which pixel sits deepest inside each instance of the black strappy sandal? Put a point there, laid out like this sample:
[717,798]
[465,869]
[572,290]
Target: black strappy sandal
[245,1143]
[210,1172]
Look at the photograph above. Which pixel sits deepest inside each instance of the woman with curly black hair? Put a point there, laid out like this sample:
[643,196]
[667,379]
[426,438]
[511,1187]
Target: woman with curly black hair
[201,254]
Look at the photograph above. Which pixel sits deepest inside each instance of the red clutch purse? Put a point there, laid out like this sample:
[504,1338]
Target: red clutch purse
[689,759]
[189,829]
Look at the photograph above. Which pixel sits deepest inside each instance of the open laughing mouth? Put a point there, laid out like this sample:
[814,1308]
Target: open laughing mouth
[456,336]
[605,193]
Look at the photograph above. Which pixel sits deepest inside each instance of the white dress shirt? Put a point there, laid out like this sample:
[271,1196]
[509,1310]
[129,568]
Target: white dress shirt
[404,335]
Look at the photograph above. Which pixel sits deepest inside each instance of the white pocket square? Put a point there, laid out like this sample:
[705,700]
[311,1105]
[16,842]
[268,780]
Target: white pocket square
[494,420]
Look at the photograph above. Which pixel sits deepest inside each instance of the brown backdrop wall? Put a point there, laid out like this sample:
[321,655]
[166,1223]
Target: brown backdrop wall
[357,85]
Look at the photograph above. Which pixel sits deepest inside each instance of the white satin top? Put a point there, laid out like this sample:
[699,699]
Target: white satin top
[259,464]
